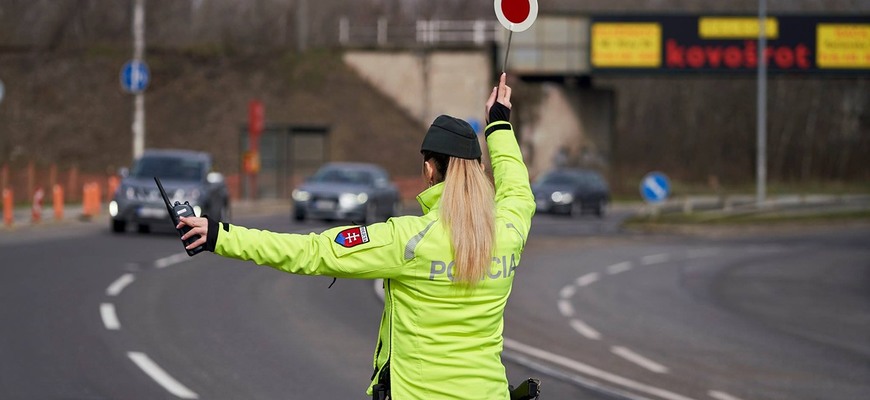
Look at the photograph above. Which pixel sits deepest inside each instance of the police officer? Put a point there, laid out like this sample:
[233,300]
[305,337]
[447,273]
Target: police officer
[447,274]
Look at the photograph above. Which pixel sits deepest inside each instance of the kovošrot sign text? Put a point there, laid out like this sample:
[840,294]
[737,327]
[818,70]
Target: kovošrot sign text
[729,43]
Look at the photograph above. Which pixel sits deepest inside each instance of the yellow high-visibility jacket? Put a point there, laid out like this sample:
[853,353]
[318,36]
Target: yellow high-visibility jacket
[441,341]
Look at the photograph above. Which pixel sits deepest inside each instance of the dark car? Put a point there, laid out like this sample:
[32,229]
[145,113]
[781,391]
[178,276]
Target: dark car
[571,191]
[185,175]
[357,192]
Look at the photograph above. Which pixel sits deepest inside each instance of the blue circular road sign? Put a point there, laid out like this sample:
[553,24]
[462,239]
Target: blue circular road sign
[655,187]
[475,124]
[135,76]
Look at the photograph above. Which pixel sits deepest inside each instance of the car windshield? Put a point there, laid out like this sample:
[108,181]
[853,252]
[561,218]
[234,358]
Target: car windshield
[559,178]
[343,175]
[166,167]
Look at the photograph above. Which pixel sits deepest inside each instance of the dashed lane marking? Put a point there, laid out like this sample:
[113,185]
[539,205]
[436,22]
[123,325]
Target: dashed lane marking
[639,359]
[587,279]
[619,268]
[171,260]
[119,284]
[655,259]
[589,370]
[110,318]
[567,291]
[565,308]
[718,395]
[160,376]
[585,330]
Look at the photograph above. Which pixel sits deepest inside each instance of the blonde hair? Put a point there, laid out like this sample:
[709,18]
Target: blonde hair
[468,210]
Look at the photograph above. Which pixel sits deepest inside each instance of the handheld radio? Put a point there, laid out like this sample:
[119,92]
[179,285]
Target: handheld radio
[175,213]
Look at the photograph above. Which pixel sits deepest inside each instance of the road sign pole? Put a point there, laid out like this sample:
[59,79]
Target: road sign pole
[761,127]
[139,100]
[138,125]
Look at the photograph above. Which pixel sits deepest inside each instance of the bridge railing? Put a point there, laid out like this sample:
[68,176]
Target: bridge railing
[424,32]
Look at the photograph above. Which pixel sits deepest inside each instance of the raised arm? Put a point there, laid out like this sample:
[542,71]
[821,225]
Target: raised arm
[513,193]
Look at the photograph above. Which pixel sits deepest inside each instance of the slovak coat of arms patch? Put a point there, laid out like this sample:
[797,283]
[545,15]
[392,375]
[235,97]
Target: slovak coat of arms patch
[352,236]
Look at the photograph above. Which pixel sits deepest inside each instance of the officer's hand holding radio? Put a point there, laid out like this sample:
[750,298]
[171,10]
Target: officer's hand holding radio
[198,226]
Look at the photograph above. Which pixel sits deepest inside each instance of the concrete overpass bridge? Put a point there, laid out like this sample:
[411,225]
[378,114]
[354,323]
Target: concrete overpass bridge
[447,67]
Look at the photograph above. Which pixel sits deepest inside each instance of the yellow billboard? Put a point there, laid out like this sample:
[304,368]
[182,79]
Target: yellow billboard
[626,45]
[736,28]
[843,45]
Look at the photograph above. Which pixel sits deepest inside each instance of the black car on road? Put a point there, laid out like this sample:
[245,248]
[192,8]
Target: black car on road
[356,192]
[186,176]
[571,191]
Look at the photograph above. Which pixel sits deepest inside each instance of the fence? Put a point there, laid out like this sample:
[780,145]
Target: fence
[39,185]
[424,32]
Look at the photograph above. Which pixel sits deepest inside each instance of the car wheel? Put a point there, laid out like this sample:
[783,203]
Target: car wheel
[599,209]
[119,226]
[576,209]
[299,215]
[143,228]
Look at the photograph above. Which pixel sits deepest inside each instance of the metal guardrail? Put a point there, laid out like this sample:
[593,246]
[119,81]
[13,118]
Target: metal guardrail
[554,45]
[424,32]
[747,204]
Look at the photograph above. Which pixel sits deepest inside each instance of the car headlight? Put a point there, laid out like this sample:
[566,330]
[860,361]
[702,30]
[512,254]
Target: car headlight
[301,195]
[113,208]
[197,211]
[562,197]
[349,200]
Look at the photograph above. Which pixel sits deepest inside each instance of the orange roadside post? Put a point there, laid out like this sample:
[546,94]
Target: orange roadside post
[87,193]
[98,199]
[7,207]
[57,202]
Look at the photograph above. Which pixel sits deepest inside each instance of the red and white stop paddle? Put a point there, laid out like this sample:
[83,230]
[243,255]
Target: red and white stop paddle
[515,16]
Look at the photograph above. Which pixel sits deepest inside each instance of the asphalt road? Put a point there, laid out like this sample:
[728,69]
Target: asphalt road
[595,313]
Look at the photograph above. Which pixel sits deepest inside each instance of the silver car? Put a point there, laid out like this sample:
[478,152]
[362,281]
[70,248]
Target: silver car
[185,176]
[356,192]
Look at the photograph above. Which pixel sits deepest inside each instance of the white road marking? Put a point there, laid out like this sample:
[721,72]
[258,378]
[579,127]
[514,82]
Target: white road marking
[567,291]
[110,319]
[587,279]
[565,308]
[654,259]
[379,288]
[171,260]
[588,370]
[721,395]
[618,268]
[584,329]
[119,284]
[160,376]
[639,359]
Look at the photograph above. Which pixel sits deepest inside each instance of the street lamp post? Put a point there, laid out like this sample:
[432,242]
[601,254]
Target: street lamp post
[761,127]
[139,97]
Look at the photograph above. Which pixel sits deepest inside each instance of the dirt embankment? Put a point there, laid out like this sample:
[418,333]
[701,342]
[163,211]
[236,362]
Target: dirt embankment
[67,108]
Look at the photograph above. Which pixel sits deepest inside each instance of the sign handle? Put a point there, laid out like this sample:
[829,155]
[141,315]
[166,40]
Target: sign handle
[507,50]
